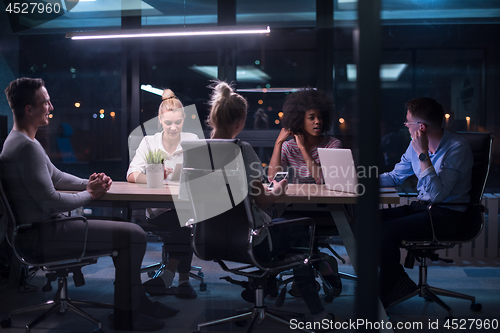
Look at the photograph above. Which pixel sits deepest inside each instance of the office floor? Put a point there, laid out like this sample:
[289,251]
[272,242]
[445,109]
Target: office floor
[221,298]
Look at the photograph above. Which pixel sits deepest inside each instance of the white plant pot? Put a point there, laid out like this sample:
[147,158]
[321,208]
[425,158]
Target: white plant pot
[154,175]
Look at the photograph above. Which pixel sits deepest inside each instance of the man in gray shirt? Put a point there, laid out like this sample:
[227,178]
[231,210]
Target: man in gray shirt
[32,184]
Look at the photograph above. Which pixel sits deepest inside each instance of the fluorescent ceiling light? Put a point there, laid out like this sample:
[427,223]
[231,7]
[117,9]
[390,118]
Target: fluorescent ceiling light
[169,32]
[243,73]
[269,90]
[388,72]
[159,92]
[151,89]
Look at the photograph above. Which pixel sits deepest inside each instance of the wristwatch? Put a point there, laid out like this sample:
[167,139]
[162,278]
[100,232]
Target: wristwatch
[423,157]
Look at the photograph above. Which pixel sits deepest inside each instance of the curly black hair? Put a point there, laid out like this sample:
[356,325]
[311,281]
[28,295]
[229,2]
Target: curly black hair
[297,103]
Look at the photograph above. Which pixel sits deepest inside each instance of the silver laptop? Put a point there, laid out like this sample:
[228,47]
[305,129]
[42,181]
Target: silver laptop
[338,169]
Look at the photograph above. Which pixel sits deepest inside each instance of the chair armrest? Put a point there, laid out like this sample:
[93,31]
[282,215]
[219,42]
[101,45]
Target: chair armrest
[70,218]
[301,221]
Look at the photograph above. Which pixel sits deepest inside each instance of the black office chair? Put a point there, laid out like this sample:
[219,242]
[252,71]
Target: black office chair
[481,144]
[325,236]
[223,225]
[59,270]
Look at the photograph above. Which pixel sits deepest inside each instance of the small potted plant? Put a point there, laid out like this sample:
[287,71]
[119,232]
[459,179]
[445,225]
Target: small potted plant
[154,168]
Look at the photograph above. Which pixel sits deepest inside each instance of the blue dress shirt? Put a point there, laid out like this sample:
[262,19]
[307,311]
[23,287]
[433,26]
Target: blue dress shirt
[448,180]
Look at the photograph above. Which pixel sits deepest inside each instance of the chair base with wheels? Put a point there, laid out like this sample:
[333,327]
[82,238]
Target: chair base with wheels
[431,293]
[326,243]
[257,313]
[224,228]
[59,270]
[155,270]
[330,294]
[424,250]
[326,231]
[327,288]
[61,302]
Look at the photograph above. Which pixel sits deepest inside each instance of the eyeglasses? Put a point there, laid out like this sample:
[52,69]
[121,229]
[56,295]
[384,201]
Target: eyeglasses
[408,123]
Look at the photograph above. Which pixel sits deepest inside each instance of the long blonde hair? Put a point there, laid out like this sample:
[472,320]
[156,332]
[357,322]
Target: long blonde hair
[170,103]
[227,107]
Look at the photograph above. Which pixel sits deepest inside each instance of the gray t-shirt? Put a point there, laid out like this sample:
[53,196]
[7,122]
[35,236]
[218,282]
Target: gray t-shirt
[31,181]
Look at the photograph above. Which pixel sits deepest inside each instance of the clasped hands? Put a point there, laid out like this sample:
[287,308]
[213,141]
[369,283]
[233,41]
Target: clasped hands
[99,183]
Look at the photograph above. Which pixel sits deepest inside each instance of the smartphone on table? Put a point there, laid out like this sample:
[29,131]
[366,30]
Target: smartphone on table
[279,176]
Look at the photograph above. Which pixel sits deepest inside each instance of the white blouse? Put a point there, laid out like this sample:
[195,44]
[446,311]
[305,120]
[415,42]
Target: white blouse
[154,142]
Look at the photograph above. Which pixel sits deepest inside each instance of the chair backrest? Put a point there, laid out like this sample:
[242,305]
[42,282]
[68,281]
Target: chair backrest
[481,145]
[6,216]
[215,178]
[3,130]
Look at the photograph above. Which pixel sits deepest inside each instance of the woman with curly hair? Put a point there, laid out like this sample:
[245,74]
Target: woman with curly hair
[306,116]
[227,117]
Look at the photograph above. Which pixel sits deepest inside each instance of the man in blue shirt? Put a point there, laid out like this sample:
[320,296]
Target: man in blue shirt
[442,163]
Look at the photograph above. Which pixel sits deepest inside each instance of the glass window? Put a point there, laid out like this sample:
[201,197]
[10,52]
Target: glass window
[107,14]
[266,73]
[277,74]
[294,13]
[180,12]
[449,51]
[450,63]
[423,12]
[443,49]
[83,79]
[184,65]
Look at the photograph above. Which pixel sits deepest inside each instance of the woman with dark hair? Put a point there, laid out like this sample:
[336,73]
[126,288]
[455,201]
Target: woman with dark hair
[306,116]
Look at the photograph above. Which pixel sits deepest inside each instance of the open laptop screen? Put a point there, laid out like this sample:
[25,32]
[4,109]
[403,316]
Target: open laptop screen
[339,172]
